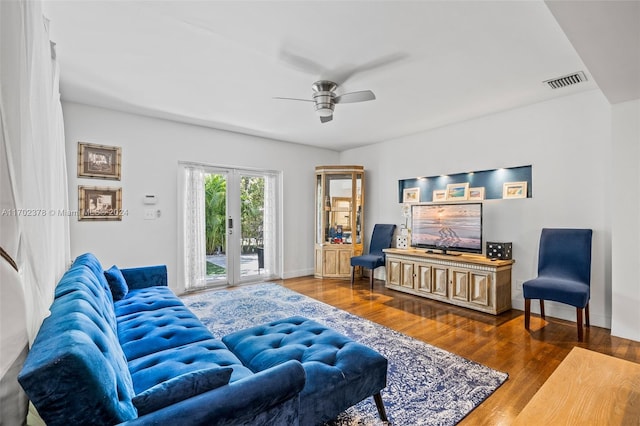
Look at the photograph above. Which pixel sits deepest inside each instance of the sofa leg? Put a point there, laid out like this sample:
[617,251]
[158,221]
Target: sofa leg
[380,406]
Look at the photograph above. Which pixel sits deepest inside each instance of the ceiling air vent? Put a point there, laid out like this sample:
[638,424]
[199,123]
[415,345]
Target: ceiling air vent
[567,80]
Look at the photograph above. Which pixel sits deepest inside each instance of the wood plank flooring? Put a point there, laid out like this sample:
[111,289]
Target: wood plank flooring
[500,342]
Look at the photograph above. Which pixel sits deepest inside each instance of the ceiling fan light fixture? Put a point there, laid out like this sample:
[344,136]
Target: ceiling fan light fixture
[324,112]
[325,99]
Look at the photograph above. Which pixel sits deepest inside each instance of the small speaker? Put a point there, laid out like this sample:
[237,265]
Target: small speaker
[402,242]
[501,251]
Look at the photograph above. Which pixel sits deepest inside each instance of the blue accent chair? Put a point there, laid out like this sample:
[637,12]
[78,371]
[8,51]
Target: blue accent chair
[380,239]
[564,273]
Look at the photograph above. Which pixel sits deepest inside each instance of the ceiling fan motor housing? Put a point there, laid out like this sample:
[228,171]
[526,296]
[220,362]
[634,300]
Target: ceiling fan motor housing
[324,97]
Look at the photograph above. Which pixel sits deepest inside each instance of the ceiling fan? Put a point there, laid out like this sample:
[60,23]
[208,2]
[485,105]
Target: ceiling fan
[325,98]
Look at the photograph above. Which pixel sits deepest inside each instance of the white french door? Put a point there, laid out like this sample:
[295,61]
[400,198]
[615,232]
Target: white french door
[239,228]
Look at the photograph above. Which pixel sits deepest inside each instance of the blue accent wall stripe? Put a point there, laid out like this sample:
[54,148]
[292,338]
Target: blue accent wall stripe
[491,180]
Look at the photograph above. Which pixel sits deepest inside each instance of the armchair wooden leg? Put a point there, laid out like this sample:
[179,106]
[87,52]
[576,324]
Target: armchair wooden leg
[542,308]
[353,273]
[371,279]
[380,406]
[579,321]
[586,315]
[527,313]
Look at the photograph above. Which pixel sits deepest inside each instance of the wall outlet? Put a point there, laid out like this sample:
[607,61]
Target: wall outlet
[519,285]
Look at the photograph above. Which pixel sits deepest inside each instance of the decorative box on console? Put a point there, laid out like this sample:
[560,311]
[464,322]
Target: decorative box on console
[500,251]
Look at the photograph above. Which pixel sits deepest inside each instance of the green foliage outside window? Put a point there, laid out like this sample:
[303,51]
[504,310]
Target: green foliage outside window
[251,212]
[215,189]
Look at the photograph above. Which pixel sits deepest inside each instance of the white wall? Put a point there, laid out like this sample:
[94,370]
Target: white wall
[625,249]
[151,149]
[568,143]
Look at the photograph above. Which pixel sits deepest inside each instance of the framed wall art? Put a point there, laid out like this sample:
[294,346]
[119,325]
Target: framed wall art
[99,203]
[514,190]
[99,161]
[458,191]
[476,193]
[439,195]
[411,195]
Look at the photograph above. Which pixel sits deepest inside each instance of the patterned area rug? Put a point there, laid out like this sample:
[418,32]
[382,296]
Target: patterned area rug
[425,385]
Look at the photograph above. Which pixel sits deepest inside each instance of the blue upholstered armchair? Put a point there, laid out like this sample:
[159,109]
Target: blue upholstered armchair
[564,273]
[380,239]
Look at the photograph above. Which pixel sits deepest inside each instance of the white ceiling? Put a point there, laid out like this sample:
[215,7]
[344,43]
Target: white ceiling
[220,63]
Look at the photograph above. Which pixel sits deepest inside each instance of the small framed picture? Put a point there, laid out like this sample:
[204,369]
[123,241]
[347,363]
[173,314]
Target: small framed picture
[411,195]
[458,191]
[99,203]
[514,190]
[476,193]
[439,195]
[99,161]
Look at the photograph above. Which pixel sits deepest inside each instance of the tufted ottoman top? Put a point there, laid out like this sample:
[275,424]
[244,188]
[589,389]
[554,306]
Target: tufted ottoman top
[330,359]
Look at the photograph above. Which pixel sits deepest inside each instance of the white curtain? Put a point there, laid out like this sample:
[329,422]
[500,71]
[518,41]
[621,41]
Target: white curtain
[195,273]
[34,229]
[270,222]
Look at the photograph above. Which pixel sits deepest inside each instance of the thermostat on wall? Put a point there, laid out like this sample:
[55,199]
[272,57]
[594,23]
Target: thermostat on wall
[150,199]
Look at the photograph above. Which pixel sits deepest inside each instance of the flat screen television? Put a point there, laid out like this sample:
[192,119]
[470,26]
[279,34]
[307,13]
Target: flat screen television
[456,227]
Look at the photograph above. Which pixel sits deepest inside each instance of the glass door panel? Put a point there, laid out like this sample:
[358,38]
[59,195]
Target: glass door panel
[252,214]
[241,237]
[215,188]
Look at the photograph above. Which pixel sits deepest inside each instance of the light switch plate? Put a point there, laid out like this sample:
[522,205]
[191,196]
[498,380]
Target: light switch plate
[149,214]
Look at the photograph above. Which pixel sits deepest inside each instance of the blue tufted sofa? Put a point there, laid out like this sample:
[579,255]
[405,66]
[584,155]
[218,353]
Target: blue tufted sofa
[120,348]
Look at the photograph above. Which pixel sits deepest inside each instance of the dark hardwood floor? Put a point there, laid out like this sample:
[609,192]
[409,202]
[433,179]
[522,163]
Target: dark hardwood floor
[500,342]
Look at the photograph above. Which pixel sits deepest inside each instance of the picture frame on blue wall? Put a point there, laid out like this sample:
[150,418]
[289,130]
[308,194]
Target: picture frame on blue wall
[439,195]
[458,191]
[411,195]
[512,190]
[476,194]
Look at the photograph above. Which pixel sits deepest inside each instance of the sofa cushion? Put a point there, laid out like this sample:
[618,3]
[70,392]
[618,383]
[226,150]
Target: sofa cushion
[117,283]
[153,319]
[146,299]
[161,366]
[81,278]
[180,388]
[90,261]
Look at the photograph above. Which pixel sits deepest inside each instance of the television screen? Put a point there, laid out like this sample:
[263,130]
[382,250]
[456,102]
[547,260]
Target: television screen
[456,227]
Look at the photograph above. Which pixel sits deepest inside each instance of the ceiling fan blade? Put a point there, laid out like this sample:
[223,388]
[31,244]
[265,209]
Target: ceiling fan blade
[293,99]
[301,63]
[362,96]
[342,74]
[326,119]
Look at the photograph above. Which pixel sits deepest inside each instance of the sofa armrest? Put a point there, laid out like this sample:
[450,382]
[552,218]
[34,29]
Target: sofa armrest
[145,276]
[250,400]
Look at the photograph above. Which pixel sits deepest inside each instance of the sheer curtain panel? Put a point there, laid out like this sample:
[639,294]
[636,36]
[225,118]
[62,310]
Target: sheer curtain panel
[34,229]
[194,243]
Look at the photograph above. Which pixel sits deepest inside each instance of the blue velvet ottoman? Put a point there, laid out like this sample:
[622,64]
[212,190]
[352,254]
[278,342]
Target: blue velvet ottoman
[340,372]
